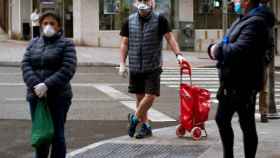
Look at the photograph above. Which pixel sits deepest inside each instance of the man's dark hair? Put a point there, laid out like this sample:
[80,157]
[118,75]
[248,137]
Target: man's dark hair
[265,1]
[255,2]
[50,14]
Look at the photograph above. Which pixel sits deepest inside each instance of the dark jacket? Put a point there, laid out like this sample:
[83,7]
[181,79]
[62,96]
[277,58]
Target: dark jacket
[241,55]
[52,61]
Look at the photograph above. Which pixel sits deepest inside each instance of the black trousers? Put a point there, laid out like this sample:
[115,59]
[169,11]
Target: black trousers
[36,31]
[242,102]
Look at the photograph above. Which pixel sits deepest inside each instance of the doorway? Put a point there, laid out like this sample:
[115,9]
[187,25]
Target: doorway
[64,8]
[4,15]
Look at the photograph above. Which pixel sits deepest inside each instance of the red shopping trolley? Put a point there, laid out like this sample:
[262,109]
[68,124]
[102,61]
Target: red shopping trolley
[194,106]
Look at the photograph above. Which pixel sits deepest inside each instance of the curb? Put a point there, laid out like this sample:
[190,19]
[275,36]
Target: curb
[98,64]
[18,64]
[77,152]
[10,64]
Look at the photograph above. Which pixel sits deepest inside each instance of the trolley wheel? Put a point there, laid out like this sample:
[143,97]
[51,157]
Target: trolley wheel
[196,133]
[180,131]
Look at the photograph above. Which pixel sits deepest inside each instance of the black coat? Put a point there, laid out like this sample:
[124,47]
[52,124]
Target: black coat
[241,56]
[52,61]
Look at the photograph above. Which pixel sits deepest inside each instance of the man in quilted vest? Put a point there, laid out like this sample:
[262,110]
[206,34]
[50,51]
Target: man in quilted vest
[241,64]
[142,36]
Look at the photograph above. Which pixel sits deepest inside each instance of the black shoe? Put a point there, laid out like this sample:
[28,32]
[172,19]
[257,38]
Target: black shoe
[144,132]
[132,124]
[264,118]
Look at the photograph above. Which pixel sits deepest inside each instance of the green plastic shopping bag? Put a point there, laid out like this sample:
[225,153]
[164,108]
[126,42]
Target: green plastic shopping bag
[42,125]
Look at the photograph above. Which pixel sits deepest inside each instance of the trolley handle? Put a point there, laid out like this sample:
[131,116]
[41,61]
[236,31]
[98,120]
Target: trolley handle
[186,69]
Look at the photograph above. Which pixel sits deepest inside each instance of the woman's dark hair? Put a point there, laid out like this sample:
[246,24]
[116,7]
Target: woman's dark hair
[50,14]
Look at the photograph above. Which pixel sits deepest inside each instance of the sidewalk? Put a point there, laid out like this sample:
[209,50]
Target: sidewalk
[165,144]
[12,53]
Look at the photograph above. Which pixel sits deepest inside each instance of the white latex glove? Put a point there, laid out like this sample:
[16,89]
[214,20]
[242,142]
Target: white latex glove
[123,70]
[41,90]
[213,49]
[180,59]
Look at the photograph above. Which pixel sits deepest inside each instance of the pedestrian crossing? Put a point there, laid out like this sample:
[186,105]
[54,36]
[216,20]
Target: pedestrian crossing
[203,77]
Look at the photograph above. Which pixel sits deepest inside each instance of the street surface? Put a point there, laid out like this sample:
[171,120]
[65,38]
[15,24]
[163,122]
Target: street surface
[100,106]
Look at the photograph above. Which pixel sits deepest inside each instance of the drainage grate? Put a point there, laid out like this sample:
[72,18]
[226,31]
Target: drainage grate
[143,151]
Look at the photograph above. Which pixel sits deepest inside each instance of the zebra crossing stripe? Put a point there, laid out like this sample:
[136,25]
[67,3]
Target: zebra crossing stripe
[130,103]
[212,83]
[153,114]
[195,68]
[206,78]
[194,79]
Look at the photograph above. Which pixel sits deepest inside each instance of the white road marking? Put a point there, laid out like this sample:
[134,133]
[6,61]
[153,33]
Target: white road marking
[73,84]
[112,92]
[177,69]
[193,79]
[11,84]
[74,99]
[153,114]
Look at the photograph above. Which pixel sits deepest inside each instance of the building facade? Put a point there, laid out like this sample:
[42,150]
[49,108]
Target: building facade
[196,23]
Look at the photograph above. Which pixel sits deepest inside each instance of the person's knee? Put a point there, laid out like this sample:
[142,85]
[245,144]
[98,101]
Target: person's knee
[150,97]
[59,139]
[140,97]
[222,122]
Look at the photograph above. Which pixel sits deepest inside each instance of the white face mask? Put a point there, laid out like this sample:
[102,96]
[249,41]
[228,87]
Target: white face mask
[48,31]
[144,8]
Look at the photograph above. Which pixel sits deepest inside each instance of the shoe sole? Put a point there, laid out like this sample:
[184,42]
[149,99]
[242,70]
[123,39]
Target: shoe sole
[144,137]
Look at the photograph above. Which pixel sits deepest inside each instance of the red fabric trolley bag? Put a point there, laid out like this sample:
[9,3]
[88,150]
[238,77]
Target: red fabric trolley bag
[194,106]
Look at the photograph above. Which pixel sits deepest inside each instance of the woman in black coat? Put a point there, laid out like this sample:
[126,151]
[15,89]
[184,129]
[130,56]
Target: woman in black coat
[48,66]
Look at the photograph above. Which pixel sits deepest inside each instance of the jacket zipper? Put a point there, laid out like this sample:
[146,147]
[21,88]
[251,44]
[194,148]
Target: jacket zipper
[141,46]
[42,62]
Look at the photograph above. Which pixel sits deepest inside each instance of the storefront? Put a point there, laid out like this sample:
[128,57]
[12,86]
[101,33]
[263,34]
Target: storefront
[114,12]
[195,23]
[63,7]
[208,15]
[4,15]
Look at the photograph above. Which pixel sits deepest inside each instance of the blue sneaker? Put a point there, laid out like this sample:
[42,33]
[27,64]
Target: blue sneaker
[133,122]
[145,131]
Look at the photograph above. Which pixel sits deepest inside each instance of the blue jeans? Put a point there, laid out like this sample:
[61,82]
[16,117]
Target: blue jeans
[59,107]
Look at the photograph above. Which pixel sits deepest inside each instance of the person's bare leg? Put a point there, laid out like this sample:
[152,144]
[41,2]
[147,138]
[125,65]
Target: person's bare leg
[145,104]
[139,98]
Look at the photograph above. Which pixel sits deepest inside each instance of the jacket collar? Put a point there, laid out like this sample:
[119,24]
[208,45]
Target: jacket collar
[54,38]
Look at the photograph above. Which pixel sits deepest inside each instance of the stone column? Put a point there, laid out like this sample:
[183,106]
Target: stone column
[86,22]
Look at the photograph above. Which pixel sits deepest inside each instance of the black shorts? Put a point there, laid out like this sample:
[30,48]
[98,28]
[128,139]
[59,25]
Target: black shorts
[145,83]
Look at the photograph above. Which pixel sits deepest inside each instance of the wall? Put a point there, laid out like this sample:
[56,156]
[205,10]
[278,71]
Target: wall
[15,19]
[278,18]
[26,10]
[86,22]
[203,38]
[186,10]
[4,15]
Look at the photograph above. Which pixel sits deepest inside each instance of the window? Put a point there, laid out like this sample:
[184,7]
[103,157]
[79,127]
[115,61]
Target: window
[208,14]
[113,13]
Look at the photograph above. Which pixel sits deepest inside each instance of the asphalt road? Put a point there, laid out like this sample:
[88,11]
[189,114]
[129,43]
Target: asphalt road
[99,110]
[94,116]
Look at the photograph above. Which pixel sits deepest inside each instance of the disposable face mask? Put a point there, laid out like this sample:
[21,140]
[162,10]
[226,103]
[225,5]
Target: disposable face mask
[48,31]
[238,8]
[143,8]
